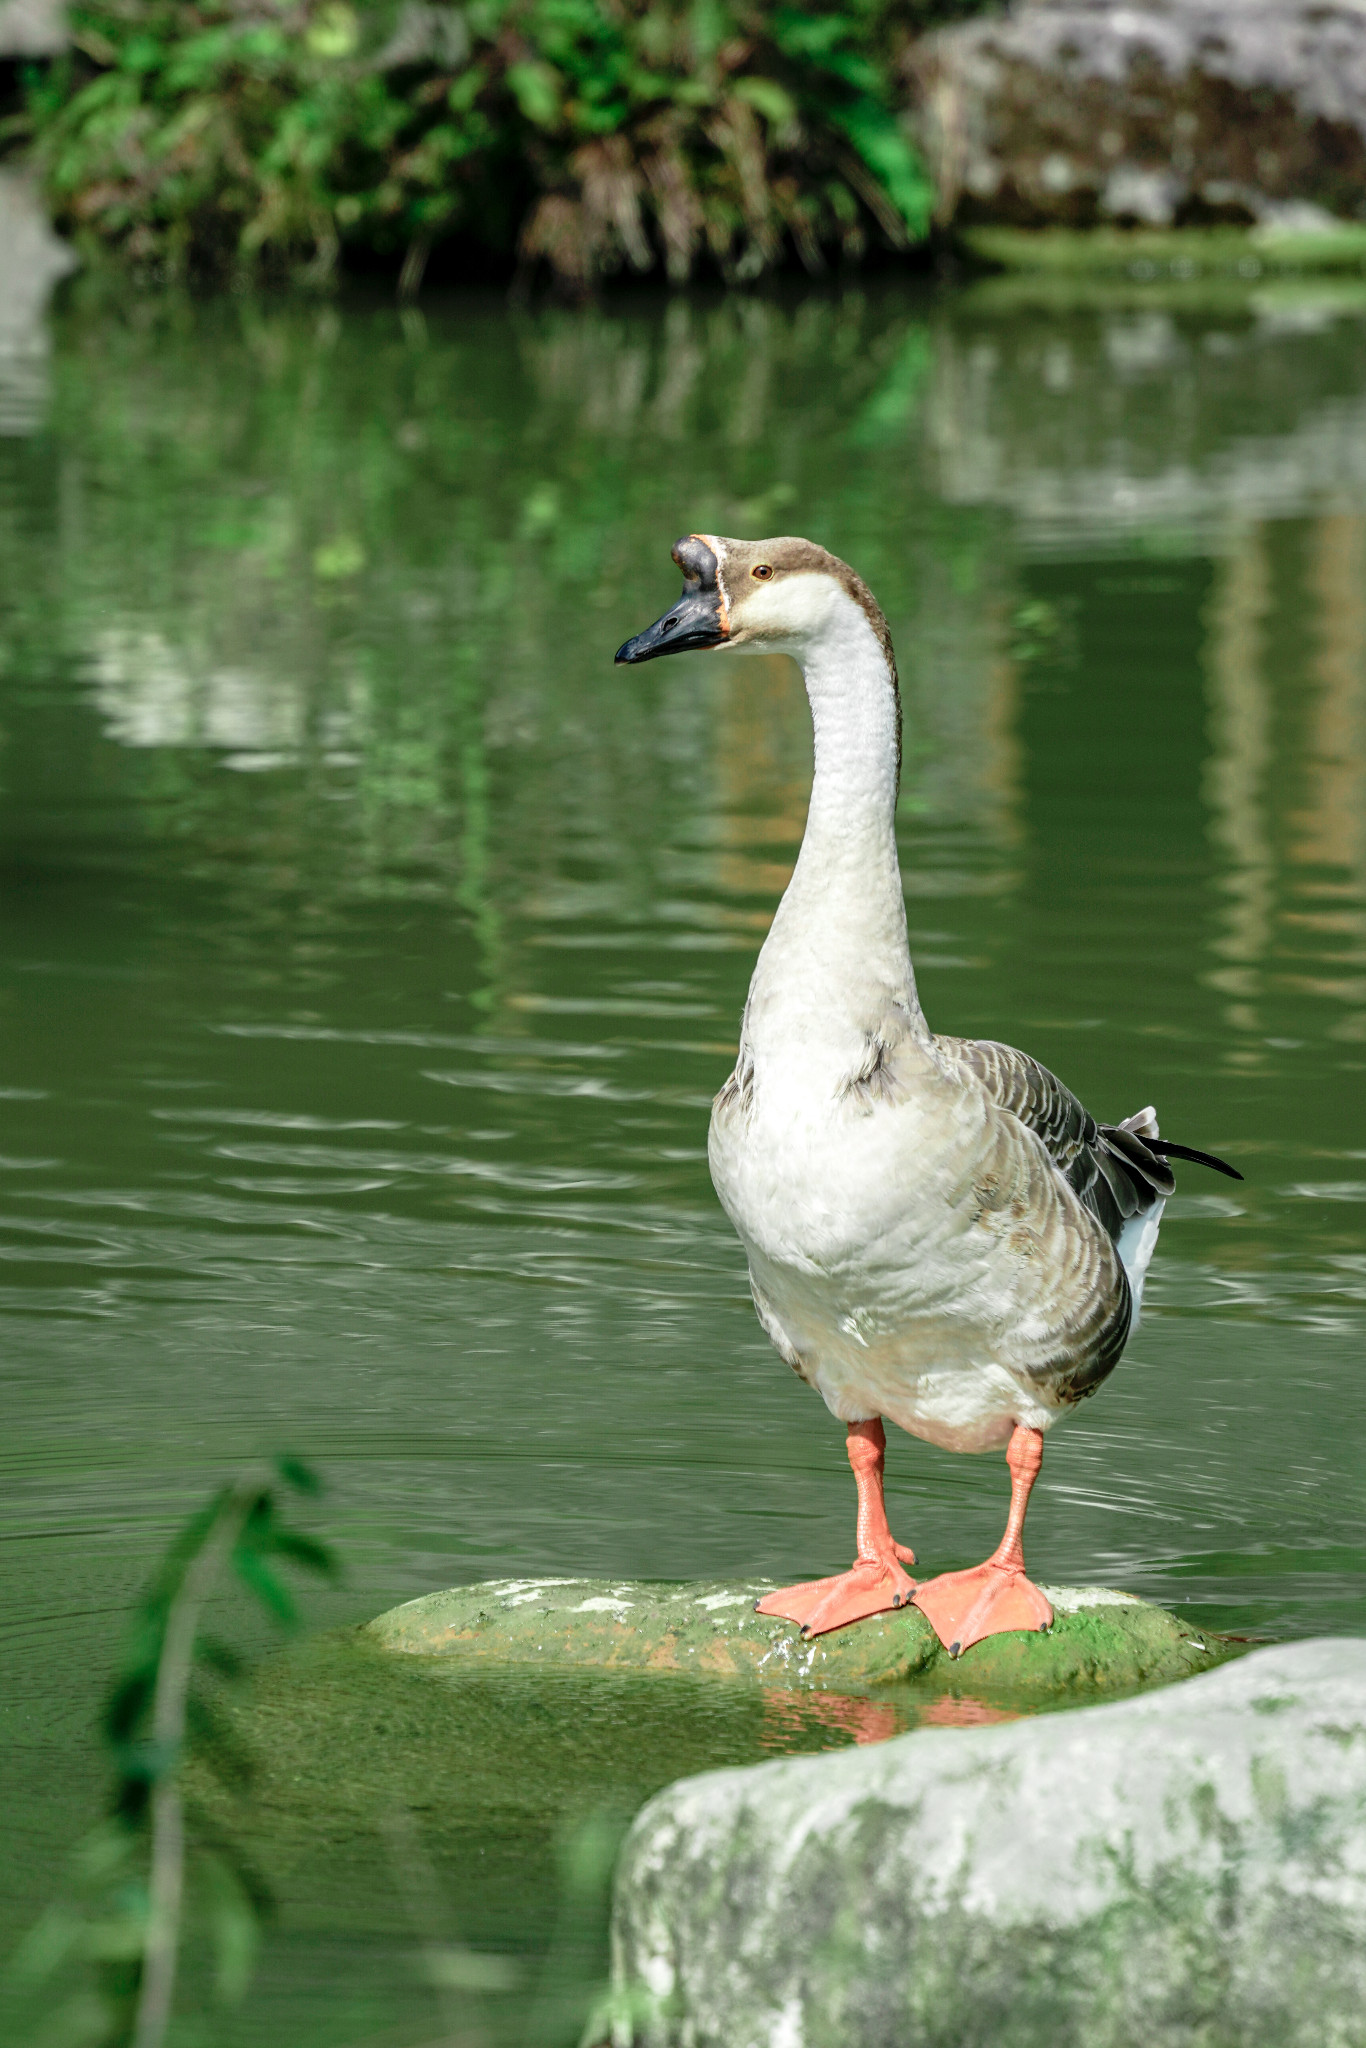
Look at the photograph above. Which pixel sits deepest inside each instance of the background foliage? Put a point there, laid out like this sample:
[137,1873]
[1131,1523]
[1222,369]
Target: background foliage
[589,135]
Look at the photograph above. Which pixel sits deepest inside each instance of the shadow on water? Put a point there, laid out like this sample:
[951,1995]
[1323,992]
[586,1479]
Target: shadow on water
[370,948]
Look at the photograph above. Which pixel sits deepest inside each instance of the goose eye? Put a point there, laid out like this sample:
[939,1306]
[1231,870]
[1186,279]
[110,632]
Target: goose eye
[761,572]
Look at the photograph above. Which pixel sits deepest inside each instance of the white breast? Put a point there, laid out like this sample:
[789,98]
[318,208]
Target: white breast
[871,1267]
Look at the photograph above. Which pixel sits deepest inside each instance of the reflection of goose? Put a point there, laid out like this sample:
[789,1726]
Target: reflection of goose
[937,1231]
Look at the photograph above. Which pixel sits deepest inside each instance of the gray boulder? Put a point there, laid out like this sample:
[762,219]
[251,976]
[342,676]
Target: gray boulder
[32,28]
[1184,1870]
[1077,111]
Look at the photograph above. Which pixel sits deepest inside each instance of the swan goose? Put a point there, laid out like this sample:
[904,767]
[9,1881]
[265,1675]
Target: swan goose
[937,1231]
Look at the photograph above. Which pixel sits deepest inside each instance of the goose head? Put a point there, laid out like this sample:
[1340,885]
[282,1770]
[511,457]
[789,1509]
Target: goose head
[780,596]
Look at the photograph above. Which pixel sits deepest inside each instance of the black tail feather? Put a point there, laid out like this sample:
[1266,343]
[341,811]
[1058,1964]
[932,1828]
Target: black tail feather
[1138,1155]
[1171,1151]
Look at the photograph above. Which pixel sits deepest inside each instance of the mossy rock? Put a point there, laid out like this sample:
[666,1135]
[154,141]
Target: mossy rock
[1172,252]
[1103,1644]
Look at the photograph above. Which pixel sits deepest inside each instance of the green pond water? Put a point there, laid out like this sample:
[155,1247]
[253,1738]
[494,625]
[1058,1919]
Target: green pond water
[370,951]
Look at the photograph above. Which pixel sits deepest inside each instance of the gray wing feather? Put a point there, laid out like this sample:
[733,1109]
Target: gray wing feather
[1108,1167]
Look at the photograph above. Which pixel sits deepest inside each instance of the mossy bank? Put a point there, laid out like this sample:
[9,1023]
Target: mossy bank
[220,137]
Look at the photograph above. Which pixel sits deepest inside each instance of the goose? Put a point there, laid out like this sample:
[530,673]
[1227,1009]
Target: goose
[938,1233]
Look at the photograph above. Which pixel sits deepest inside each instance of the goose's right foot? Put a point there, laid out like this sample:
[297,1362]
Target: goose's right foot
[875,1583]
[870,1586]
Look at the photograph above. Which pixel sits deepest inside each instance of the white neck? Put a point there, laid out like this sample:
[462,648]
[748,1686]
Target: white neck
[836,958]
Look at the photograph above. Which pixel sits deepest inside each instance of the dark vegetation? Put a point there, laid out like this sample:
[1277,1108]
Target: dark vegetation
[586,137]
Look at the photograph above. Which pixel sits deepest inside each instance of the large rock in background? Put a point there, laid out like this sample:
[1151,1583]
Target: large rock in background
[32,28]
[1184,1870]
[1074,112]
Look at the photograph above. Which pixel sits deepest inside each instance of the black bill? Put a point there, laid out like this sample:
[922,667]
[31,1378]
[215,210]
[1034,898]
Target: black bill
[697,620]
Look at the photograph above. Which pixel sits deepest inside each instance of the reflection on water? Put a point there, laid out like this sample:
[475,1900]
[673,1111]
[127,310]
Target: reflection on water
[31,261]
[372,947]
[1284,776]
[1235,774]
[1158,425]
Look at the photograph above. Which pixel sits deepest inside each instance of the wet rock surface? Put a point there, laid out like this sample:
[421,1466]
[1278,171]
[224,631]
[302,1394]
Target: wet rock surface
[1185,1870]
[1102,1642]
[1168,111]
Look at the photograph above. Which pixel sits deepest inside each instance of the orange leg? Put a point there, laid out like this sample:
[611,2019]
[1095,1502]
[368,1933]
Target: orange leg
[963,1607]
[875,1581]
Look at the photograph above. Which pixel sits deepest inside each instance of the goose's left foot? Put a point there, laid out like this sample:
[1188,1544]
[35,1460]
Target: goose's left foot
[875,1582]
[963,1607]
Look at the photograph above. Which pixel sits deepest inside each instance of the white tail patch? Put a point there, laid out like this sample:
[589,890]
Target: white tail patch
[1138,1238]
[1137,1243]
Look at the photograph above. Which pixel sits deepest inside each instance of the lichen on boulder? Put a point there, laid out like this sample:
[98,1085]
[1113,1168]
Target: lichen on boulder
[1185,1870]
[1102,1643]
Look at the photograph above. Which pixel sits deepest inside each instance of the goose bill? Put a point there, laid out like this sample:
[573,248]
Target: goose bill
[700,617]
[694,622]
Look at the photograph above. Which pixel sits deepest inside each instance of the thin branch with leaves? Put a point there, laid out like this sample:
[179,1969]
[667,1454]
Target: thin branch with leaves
[134,1869]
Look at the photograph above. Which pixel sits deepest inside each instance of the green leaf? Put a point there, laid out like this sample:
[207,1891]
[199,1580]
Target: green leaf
[691,92]
[143,53]
[810,35]
[297,1474]
[466,89]
[49,1944]
[768,98]
[334,31]
[337,559]
[129,1701]
[538,90]
[273,1596]
[306,1551]
[236,1931]
[879,140]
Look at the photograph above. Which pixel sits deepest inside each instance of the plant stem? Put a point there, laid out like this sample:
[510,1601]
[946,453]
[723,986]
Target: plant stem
[166,1878]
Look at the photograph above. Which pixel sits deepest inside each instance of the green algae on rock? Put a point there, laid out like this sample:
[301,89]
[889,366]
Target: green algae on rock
[1102,1643]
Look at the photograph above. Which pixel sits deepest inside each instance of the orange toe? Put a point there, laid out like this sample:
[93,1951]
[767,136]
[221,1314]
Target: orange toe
[964,1607]
[869,1587]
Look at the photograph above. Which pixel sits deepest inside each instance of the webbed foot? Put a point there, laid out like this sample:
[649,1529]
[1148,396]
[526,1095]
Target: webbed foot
[964,1607]
[871,1586]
